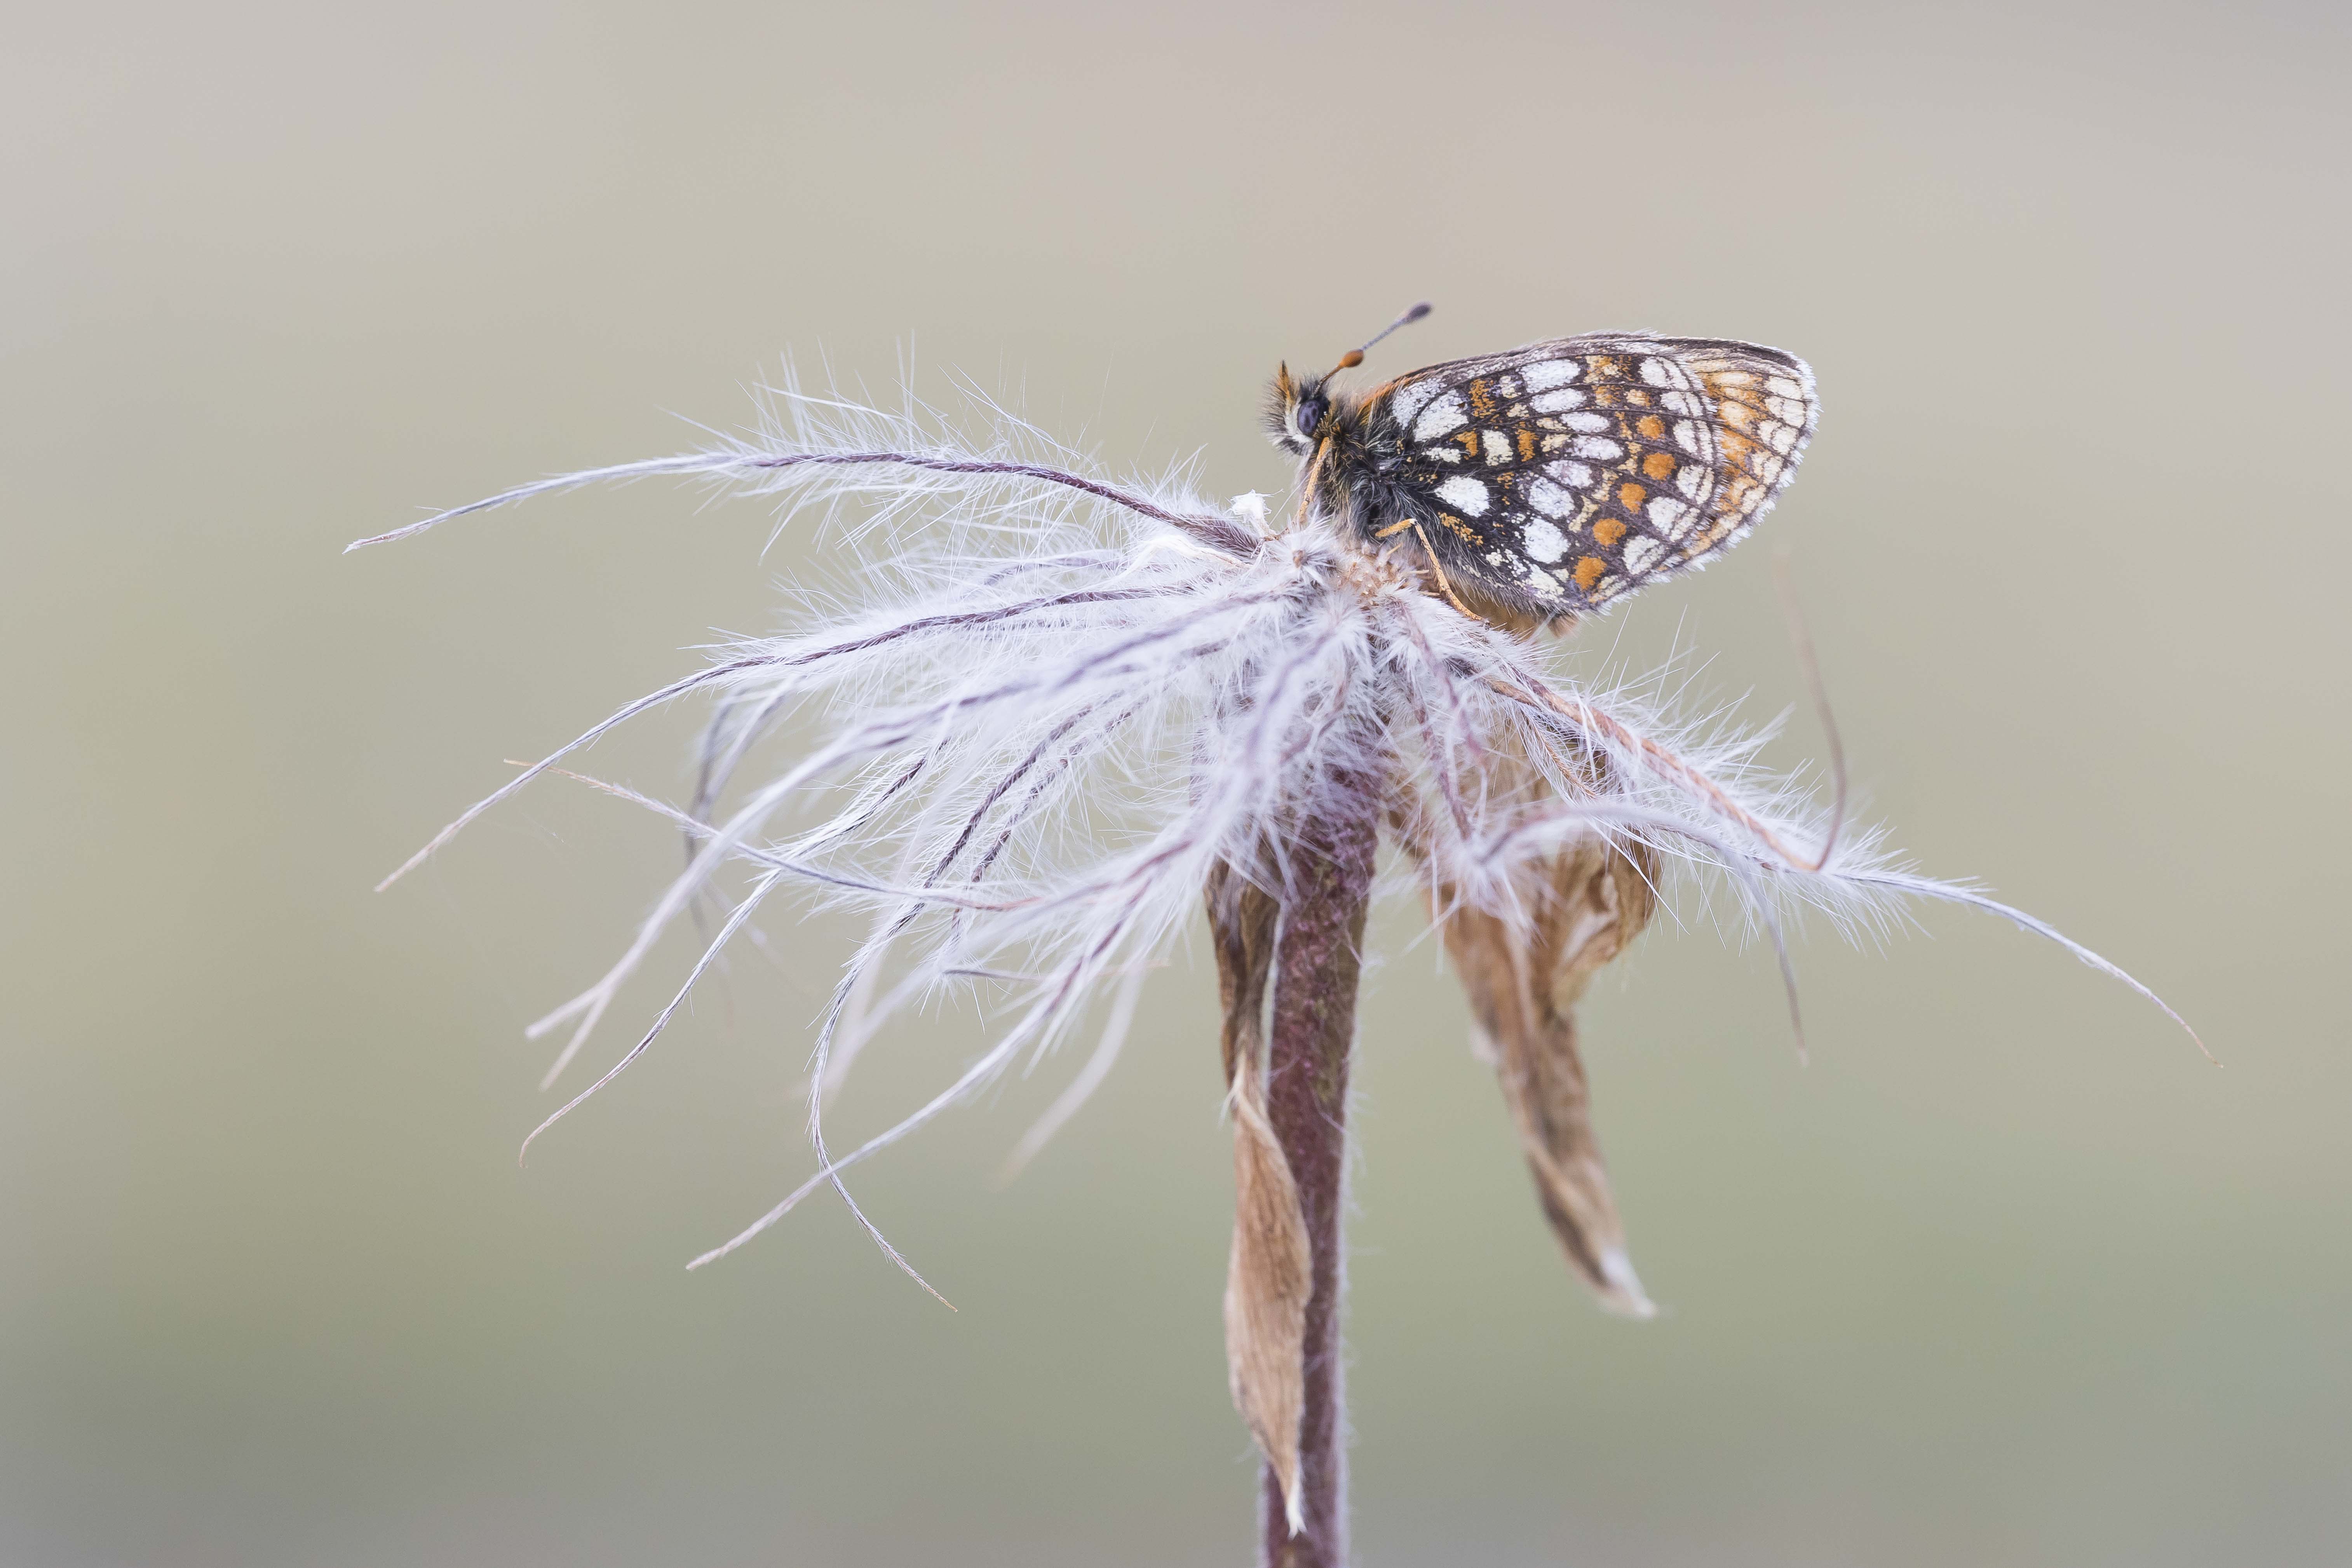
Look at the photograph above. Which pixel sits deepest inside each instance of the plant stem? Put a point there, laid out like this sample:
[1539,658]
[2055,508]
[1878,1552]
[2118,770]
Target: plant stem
[1318,962]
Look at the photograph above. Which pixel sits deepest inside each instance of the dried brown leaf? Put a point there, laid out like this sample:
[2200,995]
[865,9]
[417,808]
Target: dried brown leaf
[1242,921]
[1269,1279]
[1524,979]
[1267,1285]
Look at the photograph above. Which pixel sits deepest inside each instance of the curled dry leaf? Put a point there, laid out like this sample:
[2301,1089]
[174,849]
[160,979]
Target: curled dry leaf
[1241,920]
[1270,1276]
[1267,1285]
[1581,907]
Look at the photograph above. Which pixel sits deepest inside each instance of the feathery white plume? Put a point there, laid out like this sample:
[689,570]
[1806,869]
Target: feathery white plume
[1058,704]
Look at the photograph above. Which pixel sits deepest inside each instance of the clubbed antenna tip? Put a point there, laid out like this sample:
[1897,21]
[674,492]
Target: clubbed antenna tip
[1355,357]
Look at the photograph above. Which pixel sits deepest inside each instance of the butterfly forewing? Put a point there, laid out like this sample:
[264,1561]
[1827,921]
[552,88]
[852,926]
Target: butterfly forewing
[1576,470]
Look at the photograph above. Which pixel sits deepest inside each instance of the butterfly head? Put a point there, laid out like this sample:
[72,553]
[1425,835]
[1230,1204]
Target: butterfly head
[1298,411]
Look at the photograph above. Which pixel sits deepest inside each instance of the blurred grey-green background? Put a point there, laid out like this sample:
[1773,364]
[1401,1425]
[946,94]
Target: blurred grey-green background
[2007,1274]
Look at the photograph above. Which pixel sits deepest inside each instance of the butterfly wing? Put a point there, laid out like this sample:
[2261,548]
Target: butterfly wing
[1573,471]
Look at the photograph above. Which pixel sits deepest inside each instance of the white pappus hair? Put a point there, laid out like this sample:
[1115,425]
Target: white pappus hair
[1055,705]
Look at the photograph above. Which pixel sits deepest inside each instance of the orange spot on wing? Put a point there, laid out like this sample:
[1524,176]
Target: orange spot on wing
[1526,444]
[1632,495]
[1588,572]
[1652,428]
[1659,466]
[1482,399]
[1739,453]
[1608,531]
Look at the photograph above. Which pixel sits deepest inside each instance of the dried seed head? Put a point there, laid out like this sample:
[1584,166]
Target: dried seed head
[1045,708]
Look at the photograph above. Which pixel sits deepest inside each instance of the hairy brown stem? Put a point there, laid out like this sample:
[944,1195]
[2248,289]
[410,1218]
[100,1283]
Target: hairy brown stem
[1318,962]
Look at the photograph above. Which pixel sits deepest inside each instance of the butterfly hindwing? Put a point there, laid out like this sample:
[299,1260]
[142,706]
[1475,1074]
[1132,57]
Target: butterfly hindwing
[1576,470]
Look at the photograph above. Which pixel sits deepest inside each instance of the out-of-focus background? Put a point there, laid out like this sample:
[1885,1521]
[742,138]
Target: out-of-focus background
[2008,1274]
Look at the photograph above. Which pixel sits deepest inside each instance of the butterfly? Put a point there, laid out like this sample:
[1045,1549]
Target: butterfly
[1547,482]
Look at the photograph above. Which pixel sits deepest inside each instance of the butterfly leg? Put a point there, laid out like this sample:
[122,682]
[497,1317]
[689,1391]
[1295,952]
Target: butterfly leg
[1430,551]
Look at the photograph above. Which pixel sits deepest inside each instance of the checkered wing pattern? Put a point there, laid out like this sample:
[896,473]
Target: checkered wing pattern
[1578,470]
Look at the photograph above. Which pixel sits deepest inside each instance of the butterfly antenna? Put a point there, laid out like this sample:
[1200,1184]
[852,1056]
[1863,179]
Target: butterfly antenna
[1355,357]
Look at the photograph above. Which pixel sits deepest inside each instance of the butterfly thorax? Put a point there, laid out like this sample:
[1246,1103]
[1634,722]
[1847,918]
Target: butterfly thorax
[1348,445]
[1353,452]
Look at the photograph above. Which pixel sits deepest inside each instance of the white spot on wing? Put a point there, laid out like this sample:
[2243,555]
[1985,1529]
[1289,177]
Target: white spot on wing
[1543,542]
[1411,399]
[1550,498]
[1587,422]
[1464,494]
[1669,517]
[1545,375]
[1445,413]
[1566,397]
[1599,447]
[1641,553]
[1497,445]
[1575,476]
[1663,373]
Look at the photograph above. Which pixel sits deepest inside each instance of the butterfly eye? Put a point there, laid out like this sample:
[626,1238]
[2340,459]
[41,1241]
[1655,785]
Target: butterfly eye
[1311,414]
